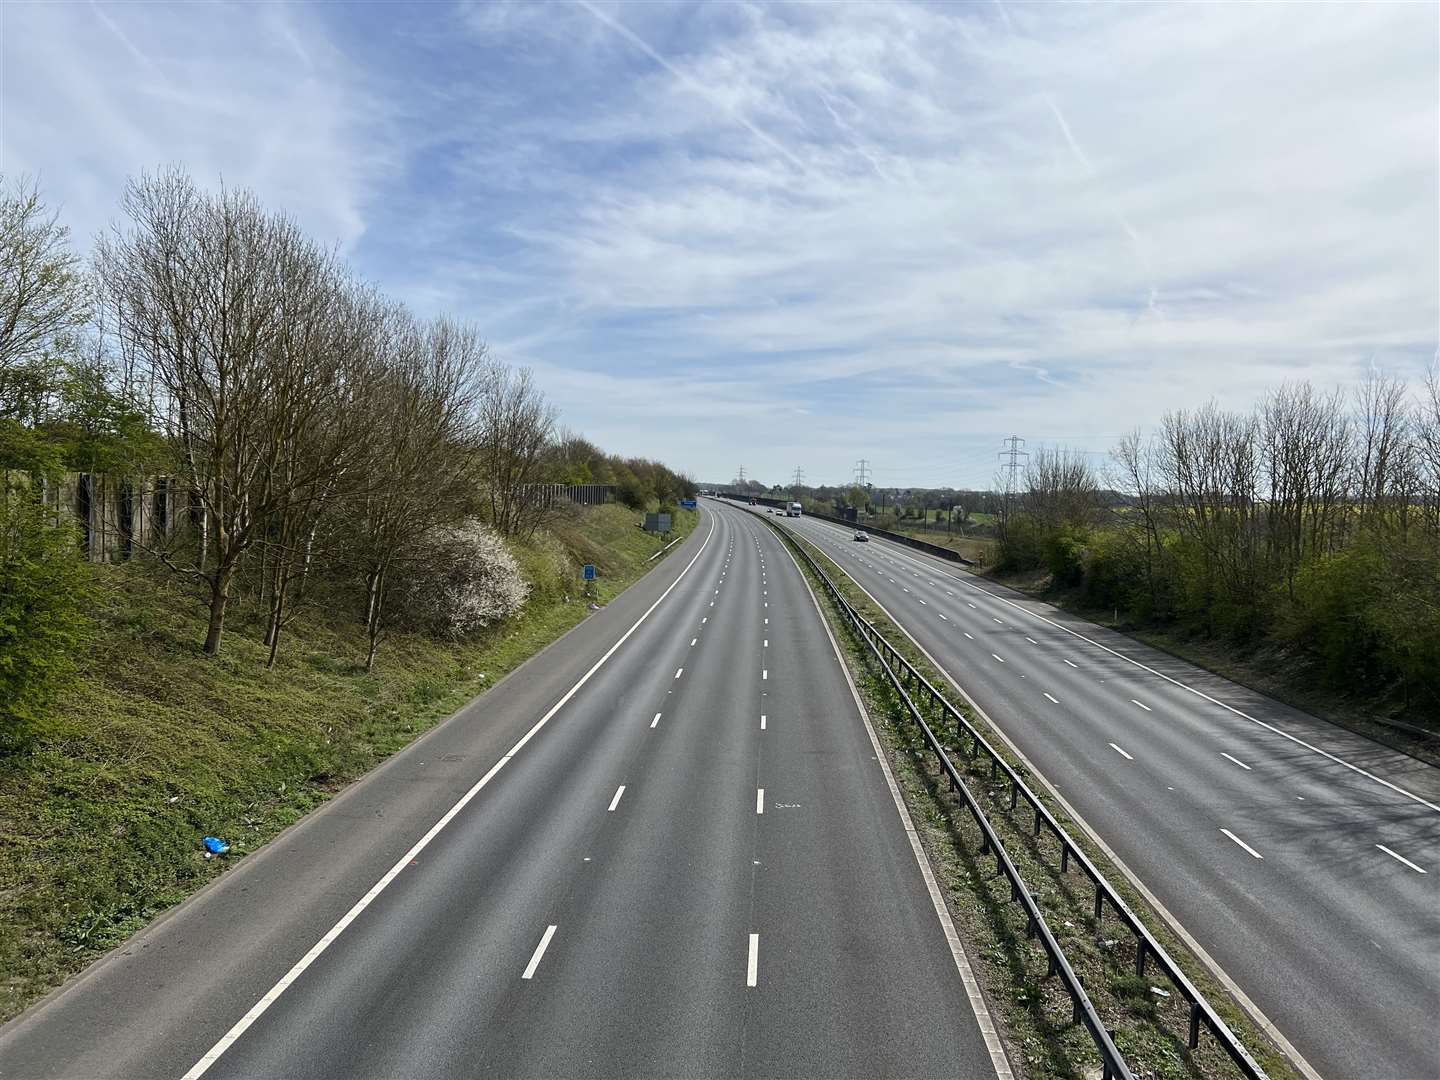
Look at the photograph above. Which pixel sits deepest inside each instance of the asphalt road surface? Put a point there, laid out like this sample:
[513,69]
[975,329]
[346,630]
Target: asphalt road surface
[663,847]
[1303,858]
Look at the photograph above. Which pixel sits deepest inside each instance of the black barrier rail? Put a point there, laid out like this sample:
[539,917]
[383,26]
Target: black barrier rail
[1146,947]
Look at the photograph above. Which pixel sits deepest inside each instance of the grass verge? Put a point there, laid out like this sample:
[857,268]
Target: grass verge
[1146,1016]
[158,745]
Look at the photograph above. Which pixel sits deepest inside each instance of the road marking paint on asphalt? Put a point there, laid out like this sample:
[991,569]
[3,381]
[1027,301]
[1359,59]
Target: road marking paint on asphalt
[759,800]
[968,604]
[922,601]
[752,965]
[764,674]
[949,593]
[201,1067]
[1237,761]
[692,641]
[539,952]
[679,671]
[998,657]
[1054,699]
[767,622]
[1122,753]
[1242,843]
[1142,705]
[762,721]
[616,800]
[1397,855]
[1031,640]
[656,720]
[943,615]
[903,587]
[1071,663]
[765,644]
[967,634]
[704,620]
[1000,621]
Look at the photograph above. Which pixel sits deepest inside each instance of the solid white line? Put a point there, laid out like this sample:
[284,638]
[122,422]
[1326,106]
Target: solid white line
[656,720]
[998,657]
[1071,663]
[616,800]
[539,952]
[1237,761]
[679,672]
[759,800]
[1397,855]
[1122,753]
[957,950]
[273,994]
[752,965]
[1142,705]
[1242,843]
[762,721]
[1054,699]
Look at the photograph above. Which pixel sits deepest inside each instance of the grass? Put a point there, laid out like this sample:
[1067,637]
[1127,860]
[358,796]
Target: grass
[158,745]
[1033,1010]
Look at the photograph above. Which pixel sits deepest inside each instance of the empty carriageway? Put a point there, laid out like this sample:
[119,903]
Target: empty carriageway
[675,853]
[1304,860]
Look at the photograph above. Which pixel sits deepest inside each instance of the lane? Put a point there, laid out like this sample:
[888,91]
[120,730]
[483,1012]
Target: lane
[1337,948]
[650,884]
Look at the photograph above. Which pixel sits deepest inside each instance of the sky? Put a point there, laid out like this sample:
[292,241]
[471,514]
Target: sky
[802,235]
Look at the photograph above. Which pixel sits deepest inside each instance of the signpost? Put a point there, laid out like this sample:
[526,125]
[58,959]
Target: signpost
[588,573]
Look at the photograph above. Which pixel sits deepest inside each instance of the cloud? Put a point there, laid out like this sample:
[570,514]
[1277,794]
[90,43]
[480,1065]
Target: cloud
[896,231]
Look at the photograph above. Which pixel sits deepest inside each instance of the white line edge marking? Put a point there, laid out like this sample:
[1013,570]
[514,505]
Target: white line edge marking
[1177,927]
[1242,843]
[1142,705]
[1397,855]
[1237,761]
[1121,752]
[978,1005]
[752,962]
[759,800]
[1052,698]
[616,800]
[656,720]
[273,994]
[539,952]
[1214,701]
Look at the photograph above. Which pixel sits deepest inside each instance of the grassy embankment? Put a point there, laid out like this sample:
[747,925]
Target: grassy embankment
[1266,667]
[1033,1010]
[158,745]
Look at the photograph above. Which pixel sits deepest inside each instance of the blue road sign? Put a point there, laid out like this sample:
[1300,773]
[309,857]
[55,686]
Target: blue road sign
[589,571]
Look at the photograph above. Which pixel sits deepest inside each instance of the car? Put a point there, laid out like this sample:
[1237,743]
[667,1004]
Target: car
[862,537]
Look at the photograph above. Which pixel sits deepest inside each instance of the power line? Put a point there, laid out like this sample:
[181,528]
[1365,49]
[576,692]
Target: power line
[1010,463]
[799,478]
[862,473]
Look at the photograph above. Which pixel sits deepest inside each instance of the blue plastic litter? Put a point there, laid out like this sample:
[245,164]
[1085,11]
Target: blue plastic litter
[215,846]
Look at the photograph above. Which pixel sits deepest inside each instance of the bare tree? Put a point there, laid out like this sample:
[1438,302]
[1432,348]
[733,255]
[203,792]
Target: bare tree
[517,425]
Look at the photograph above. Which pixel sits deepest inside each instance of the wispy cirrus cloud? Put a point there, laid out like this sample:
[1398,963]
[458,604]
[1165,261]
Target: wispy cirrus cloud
[819,232]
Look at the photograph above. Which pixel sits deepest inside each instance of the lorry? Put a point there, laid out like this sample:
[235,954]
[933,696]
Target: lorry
[793,510]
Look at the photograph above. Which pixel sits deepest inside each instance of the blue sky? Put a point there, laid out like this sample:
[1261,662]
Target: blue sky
[781,235]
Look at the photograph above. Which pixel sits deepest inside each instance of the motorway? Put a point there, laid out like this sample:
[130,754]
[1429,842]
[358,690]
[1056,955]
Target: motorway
[666,846]
[1303,859]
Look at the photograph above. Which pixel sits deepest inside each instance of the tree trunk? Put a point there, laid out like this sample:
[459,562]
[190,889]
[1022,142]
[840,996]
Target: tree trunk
[219,597]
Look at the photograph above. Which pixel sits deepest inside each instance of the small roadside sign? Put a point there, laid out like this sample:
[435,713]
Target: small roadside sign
[589,571]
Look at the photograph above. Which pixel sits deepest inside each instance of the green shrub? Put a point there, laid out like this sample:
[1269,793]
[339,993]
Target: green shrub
[45,589]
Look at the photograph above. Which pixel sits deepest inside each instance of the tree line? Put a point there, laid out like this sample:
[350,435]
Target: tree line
[1312,520]
[325,442]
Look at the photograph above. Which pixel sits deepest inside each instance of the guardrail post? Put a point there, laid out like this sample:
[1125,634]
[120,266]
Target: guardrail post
[1141,948]
[1064,856]
[1038,821]
[1099,902]
[1194,1024]
[1014,793]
